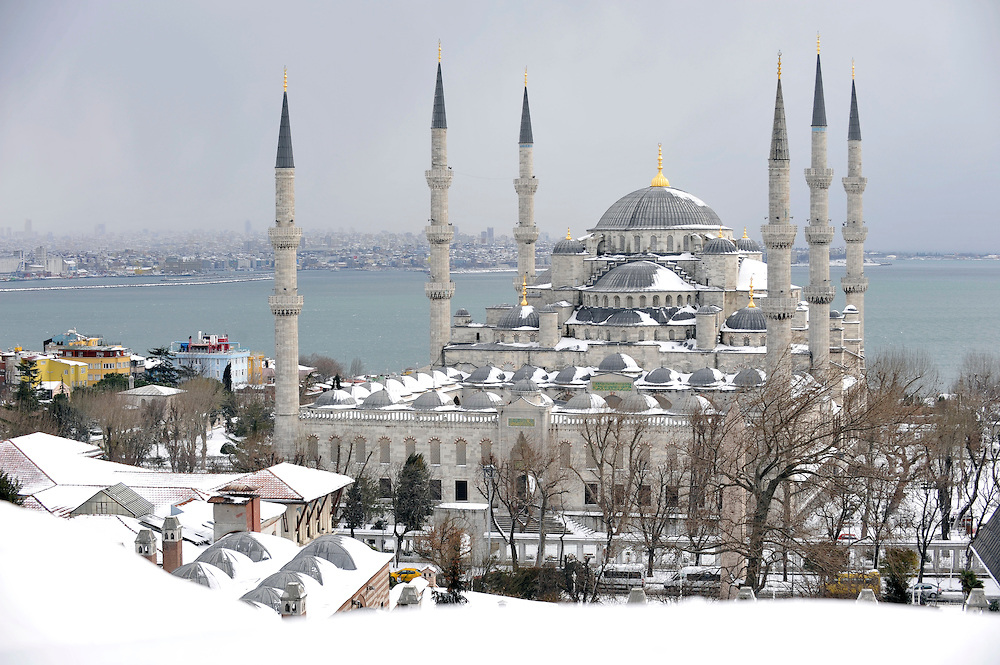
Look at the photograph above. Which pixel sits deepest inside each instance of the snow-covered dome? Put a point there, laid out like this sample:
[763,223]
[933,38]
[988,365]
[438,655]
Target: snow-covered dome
[330,547]
[307,565]
[618,362]
[690,405]
[204,574]
[530,372]
[264,595]
[586,402]
[481,400]
[572,374]
[705,377]
[661,375]
[487,374]
[379,399]
[525,386]
[335,398]
[748,378]
[640,276]
[245,543]
[430,401]
[228,561]
[638,403]
[522,316]
[657,208]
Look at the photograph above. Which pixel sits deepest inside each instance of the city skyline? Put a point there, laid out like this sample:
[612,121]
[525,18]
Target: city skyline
[138,117]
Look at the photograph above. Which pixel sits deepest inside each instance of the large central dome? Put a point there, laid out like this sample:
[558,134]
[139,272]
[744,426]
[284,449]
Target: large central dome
[657,208]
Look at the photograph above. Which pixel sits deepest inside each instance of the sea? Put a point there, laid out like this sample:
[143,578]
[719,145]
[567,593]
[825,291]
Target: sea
[941,308]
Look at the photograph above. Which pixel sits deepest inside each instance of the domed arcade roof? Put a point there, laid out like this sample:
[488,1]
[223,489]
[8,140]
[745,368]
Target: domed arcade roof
[618,362]
[430,401]
[586,402]
[481,400]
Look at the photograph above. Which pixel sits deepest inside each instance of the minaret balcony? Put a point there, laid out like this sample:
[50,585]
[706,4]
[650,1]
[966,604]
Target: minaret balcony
[819,178]
[854,185]
[819,294]
[854,233]
[854,284]
[525,234]
[439,290]
[818,234]
[439,234]
[285,305]
[778,308]
[778,236]
[438,178]
[285,237]
[525,186]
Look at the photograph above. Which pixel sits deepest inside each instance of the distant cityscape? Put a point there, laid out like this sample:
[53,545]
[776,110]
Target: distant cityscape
[27,255]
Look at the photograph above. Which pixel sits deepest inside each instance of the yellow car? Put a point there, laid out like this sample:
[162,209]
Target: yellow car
[404,574]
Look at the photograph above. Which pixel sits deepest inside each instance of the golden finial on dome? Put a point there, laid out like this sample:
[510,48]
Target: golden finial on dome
[745,232]
[439,50]
[720,230]
[286,79]
[659,180]
[751,293]
[817,42]
[524,291]
[568,236]
[779,65]
[852,69]
[525,77]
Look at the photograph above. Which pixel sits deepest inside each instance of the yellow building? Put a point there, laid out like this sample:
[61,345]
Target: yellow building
[256,369]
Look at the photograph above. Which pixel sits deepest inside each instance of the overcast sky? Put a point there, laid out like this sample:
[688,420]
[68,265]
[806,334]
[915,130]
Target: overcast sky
[165,115]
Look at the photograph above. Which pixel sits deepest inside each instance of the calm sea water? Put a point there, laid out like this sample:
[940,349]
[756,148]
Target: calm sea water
[943,308]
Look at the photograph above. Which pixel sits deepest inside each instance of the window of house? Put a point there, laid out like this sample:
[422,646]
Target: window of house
[385,488]
[435,490]
[383,450]
[460,452]
[436,451]
[590,494]
[672,497]
[461,490]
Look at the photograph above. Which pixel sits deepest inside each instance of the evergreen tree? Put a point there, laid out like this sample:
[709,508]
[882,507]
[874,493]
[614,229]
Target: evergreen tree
[411,499]
[10,488]
[26,395]
[166,372]
[361,503]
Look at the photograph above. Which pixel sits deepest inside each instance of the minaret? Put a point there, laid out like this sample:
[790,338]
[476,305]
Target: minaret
[819,234]
[440,288]
[525,233]
[854,282]
[778,235]
[286,303]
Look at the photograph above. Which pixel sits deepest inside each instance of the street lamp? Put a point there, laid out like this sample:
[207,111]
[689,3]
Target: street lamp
[489,479]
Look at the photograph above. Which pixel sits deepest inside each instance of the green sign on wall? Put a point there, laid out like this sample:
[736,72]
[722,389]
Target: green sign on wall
[520,422]
[609,386]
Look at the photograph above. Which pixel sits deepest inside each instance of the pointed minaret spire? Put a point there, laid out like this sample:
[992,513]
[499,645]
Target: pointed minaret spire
[439,289]
[819,234]
[525,233]
[285,302]
[438,118]
[778,236]
[285,160]
[854,125]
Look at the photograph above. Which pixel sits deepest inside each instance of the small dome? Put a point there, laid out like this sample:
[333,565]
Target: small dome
[335,398]
[307,565]
[525,386]
[586,402]
[228,561]
[379,399]
[480,400]
[244,543]
[719,246]
[264,595]
[657,208]
[522,316]
[280,579]
[690,405]
[330,547]
[626,317]
[705,377]
[661,375]
[748,378]
[529,372]
[618,362]
[204,574]
[638,403]
[850,309]
[572,374]
[430,401]
[748,318]
[745,244]
[569,246]
[487,374]
[834,314]
[682,315]
[461,311]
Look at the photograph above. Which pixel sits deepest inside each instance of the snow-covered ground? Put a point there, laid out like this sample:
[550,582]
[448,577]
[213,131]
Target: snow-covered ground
[68,596]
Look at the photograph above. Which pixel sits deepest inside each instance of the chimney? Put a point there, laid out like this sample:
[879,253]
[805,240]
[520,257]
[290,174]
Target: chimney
[172,544]
[293,601]
[236,508]
[145,545]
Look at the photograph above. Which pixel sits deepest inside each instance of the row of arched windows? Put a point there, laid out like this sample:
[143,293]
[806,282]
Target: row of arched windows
[357,450]
[642,301]
[626,244]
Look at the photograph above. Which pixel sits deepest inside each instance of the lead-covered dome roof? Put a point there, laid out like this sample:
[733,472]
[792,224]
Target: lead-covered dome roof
[522,316]
[569,246]
[747,319]
[719,246]
[657,208]
[746,244]
[641,276]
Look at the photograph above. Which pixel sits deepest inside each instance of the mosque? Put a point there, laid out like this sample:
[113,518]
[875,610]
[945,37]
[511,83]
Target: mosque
[658,311]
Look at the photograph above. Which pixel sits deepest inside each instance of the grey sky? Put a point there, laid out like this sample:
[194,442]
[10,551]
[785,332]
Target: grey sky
[157,115]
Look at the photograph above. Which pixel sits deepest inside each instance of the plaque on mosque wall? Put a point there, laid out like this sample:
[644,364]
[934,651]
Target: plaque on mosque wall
[520,422]
[611,386]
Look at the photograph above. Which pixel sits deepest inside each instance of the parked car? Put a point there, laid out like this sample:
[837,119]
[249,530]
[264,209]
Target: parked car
[404,574]
[925,591]
[695,579]
[622,577]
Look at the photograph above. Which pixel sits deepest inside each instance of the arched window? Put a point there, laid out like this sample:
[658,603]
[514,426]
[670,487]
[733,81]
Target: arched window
[621,243]
[486,451]
[637,244]
[605,301]
[671,335]
[618,302]
[669,301]
[411,446]
[746,340]
[687,243]
[460,449]
[383,450]
[689,301]
[628,302]
[656,301]
[337,452]
[359,450]
[642,301]
[565,454]
[652,243]
[670,243]
[436,451]
[607,335]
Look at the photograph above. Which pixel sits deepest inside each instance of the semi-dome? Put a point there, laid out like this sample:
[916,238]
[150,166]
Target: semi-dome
[586,402]
[430,401]
[705,377]
[748,378]
[379,399]
[719,245]
[625,317]
[657,208]
[522,316]
[638,403]
[569,246]
[641,276]
[481,400]
[618,362]
[747,319]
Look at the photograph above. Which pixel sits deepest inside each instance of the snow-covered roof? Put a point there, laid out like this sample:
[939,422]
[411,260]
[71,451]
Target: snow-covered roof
[153,391]
[290,482]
